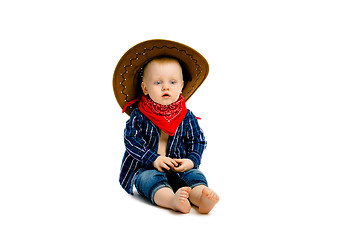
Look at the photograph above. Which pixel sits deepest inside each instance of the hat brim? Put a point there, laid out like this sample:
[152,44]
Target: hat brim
[126,75]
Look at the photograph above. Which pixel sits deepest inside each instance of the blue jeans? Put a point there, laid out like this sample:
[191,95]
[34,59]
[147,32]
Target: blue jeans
[149,181]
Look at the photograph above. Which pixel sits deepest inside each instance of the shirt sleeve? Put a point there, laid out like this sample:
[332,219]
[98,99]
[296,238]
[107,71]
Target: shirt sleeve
[196,143]
[135,143]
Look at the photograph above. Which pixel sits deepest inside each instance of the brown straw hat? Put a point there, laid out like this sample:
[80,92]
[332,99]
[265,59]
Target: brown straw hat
[128,72]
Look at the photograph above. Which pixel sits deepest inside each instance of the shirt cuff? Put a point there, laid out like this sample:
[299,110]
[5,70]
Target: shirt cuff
[150,156]
[195,158]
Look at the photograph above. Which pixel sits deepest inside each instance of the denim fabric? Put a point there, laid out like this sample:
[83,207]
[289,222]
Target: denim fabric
[148,182]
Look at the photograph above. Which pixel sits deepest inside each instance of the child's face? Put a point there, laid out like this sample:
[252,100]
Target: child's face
[163,81]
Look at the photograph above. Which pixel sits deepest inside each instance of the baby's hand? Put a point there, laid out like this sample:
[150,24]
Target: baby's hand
[163,162]
[183,165]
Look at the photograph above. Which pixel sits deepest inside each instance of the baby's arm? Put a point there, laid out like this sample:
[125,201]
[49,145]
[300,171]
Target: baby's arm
[195,142]
[135,143]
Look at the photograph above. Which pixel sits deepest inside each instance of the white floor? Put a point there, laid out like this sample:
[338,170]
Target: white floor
[268,207]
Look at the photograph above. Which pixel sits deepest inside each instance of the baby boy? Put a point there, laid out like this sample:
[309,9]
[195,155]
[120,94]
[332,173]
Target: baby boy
[162,135]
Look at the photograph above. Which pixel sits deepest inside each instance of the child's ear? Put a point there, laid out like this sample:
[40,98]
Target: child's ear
[145,91]
[182,86]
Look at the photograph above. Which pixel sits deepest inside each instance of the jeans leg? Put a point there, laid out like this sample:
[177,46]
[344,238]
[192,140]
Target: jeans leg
[194,177]
[150,181]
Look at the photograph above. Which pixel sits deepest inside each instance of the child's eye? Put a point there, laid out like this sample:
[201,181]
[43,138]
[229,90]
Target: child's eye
[157,83]
[173,82]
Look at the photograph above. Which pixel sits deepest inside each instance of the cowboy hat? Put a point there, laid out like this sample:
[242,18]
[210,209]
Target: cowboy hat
[128,72]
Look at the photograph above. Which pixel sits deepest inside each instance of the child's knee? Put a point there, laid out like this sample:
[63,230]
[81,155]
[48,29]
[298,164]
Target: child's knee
[149,175]
[149,180]
[194,177]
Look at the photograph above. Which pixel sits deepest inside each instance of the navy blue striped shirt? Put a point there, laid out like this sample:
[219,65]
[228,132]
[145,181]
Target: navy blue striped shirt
[142,140]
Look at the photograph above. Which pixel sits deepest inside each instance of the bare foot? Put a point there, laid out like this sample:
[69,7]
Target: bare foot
[180,201]
[208,200]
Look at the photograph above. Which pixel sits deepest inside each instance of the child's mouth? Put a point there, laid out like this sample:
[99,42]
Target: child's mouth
[166,95]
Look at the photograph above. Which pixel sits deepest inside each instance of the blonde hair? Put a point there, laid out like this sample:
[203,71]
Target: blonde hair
[161,60]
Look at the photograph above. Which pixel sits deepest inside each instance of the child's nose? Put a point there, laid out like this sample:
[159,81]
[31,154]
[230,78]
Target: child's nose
[165,87]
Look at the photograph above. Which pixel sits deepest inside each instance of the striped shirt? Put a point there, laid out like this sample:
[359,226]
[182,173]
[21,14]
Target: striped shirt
[142,139]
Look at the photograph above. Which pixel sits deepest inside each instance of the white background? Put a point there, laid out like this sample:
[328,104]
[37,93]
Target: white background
[280,110]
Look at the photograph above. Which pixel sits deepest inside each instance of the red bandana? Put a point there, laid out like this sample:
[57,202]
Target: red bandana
[166,117]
